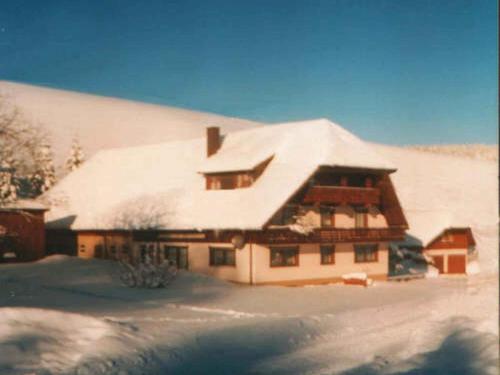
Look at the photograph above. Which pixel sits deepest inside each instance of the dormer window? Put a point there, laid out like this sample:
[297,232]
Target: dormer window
[235,180]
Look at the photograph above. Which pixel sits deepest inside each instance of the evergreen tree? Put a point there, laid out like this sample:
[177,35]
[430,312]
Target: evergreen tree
[76,157]
[44,176]
[8,188]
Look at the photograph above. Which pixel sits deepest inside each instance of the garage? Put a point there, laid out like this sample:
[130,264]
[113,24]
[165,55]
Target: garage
[456,264]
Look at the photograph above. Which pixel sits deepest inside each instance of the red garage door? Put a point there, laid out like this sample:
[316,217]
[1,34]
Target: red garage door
[456,263]
[439,263]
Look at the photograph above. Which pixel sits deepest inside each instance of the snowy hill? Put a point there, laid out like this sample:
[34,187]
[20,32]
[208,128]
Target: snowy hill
[473,151]
[104,122]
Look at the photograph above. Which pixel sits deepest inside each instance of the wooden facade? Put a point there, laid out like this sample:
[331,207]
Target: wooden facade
[451,250]
[342,195]
[22,236]
[235,179]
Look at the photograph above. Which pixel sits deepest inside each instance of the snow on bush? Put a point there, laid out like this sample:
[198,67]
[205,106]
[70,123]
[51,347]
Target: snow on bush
[304,224]
[146,274]
[473,267]
[432,272]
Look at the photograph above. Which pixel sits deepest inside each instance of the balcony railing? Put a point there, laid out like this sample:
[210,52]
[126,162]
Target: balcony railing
[276,236]
[342,195]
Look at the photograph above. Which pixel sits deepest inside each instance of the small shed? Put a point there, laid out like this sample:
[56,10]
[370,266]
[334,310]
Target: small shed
[450,250]
[440,236]
[22,231]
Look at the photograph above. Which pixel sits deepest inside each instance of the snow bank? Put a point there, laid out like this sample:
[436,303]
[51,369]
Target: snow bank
[36,339]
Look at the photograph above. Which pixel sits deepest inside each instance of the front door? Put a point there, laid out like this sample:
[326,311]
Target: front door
[176,256]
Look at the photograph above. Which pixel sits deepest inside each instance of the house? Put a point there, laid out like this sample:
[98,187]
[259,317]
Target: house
[22,231]
[437,234]
[293,203]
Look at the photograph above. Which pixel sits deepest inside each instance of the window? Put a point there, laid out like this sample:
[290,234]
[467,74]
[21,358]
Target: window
[243,180]
[448,237]
[126,249]
[176,256]
[366,253]
[220,256]
[327,216]
[360,218]
[327,254]
[227,182]
[213,183]
[82,249]
[98,251]
[143,252]
[284,256]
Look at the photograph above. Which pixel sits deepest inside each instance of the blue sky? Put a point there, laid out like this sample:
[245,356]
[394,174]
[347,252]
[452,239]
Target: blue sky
[397,71]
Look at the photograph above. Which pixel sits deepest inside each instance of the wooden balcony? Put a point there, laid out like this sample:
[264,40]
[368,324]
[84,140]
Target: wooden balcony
[283,236]
[342,195]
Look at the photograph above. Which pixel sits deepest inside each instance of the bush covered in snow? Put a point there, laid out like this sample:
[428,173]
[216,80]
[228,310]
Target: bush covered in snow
[146,274]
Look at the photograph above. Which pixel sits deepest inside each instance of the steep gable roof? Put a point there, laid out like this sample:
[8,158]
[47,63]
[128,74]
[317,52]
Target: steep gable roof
[160,186]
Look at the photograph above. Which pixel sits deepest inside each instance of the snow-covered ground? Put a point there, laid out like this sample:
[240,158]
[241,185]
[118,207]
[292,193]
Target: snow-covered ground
[66,315]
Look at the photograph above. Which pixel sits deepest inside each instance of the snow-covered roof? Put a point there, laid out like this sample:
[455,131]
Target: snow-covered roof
[24,204]
[159,186]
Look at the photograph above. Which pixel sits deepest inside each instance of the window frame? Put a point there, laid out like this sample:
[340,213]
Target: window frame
[332,254]
[330,211]
[273,249]
[366,245]
[364,218]
[225,250]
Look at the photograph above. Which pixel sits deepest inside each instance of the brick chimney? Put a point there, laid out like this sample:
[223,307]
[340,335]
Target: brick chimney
[213,140]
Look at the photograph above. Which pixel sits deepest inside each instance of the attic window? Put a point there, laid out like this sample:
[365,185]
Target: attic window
[448,237]
[235,180]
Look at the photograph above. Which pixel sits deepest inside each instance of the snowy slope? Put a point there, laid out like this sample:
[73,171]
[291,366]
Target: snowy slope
[104,122]
[474,151]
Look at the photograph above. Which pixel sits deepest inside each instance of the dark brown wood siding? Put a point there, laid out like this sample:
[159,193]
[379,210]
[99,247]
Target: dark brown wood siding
[390,206]
[61,242]
[453,239]
[25,232]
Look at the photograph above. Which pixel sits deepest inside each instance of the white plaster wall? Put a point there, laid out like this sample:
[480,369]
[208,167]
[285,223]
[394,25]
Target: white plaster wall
[310,267]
